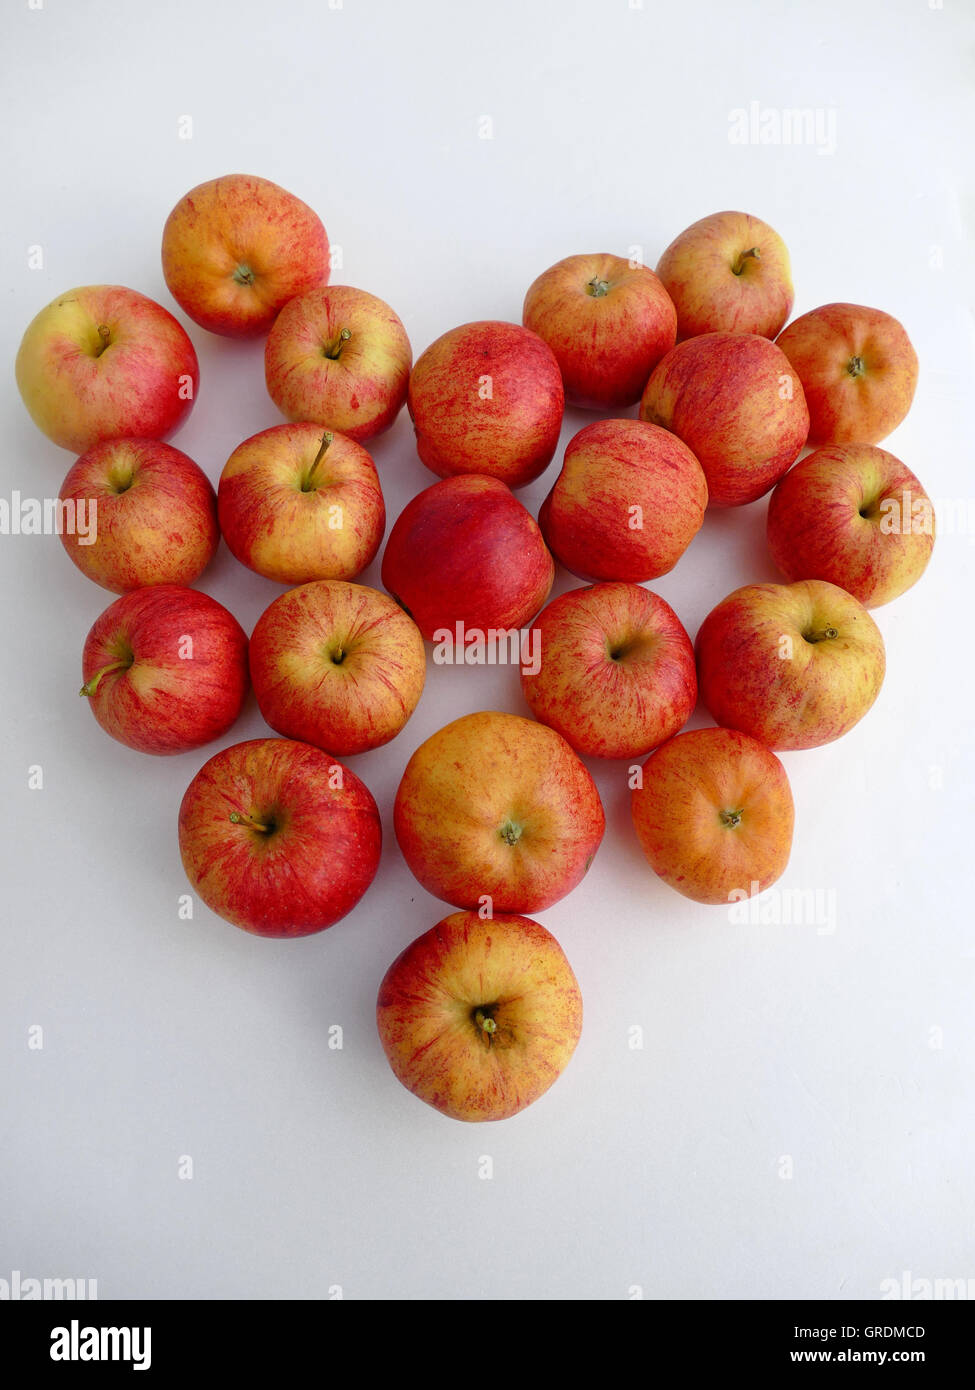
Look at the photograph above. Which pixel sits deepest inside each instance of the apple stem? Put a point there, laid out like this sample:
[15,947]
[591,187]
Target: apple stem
[743,256]
[485,1022]
[105,333]
[335,348]
[238,818]
[825,635]
[322,449]
[597,288]
[90,686]
[855,366]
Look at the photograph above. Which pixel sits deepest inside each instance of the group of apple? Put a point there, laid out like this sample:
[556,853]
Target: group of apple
[496,813]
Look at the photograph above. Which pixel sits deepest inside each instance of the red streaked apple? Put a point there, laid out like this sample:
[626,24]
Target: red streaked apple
[496,806]
[153,515]
[466,551]
[278,838]
[337,665]
[236,249]
[858,370]
[105,362]
[856,516]
[487,398]
[165,669]
[728,273]
[341,357]
[297,503]
[616,673]
[794,665]
[628,502]
[737,403]
[714,815]
[608,320]
[478,1018]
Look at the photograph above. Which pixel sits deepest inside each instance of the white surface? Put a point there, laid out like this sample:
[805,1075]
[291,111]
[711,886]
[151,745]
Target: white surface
[658,1168]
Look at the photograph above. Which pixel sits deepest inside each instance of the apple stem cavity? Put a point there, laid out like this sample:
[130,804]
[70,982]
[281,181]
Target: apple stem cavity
[752,253]
[597,288]
[243,275]
[238,818]
[308,485]
[485,1022]
[90,686]
[335,348]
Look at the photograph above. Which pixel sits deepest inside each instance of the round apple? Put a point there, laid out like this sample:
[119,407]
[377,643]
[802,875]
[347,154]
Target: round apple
[297,503]
[103,362]
[465,552]
[337,665]
[341,357]
[794,665]
[496,806]
[616,672]
[856,516]
[735,401]
[728,273]
[713,812]
[628,502]
[165,669]
[278,838]
[487,398]
[608,321]
[479,1018]
[236,249]
[858,370]
[150,515]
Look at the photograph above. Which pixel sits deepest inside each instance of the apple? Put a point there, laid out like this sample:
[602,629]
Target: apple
[278,838]
[466,551]
[152,511]
[608,321]
[499,807]
[713,813]
[478,1018]
[858,371]
[735,401]
[165,669]
[337,665]
[794,665]
[628,502]
[237,248]
[341,357]
[298,503]
[856,516]
[103,362]
[487,398]
[728,273]
[616,675]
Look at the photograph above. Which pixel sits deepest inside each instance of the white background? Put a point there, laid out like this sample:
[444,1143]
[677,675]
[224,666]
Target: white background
[659,1169]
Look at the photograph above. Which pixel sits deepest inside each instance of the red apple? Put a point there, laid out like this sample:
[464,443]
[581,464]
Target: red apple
[794,665]
[337,665]
[858,371]
[165,669]
[466,551]
[237,248]
[153,515]
[341,357]
[297,503]
[479,1018]
[616,675]
[608,321]
[736,402]
[855,516]
[728,273]
[628,502]
[487,398]
[496,806]
[713,812]
[278,838]
[103,362]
